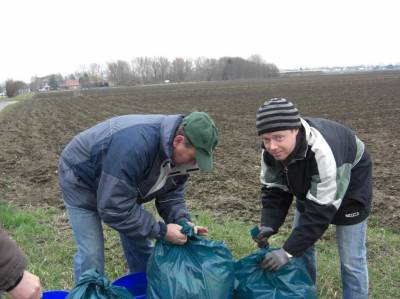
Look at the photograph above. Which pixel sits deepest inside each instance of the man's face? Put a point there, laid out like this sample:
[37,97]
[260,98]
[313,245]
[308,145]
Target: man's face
[280,144]
[183,153]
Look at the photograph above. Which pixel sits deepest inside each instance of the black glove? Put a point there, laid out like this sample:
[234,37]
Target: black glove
[275,260]
[263,235]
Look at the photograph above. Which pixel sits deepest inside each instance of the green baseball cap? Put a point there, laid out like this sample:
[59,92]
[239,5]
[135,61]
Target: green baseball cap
[202,133]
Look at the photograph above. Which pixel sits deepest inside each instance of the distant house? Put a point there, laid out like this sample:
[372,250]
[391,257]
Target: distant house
[44,86]
[40,83]
[23,90]
[70,84]
[46,83]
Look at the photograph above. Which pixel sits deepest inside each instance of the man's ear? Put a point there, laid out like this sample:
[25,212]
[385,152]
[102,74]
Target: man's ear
[178,139]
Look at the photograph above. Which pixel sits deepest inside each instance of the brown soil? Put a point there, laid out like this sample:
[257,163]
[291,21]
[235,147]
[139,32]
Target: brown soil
[33,133]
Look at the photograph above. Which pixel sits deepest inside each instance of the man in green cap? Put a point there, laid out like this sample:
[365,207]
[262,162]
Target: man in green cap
[108,171]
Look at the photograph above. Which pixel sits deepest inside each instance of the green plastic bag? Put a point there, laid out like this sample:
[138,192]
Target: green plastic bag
[200,269]
[291,281]
[92,285]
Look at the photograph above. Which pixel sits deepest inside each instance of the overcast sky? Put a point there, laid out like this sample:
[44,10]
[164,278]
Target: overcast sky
[41,37]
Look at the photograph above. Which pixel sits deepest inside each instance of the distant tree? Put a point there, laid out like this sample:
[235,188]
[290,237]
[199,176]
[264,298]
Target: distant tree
[143,69]
[71,77]
[96,73]
[112,69]
[257,59]
[239,68]
[14,88]
[135,71]
[53,82]
[188,69]
[164,68]
[84,81]
[77,75]
[147,70]
[150,69]
[206,69]
[35,84]
[271,70]
[200,70]
[83,69]
[155,67]
[178,69]
[228,71]
[59,78]
[120,73]
[212,69]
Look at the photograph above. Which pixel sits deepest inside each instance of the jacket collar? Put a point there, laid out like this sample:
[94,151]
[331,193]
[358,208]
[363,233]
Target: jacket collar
[169,125]
[302,141]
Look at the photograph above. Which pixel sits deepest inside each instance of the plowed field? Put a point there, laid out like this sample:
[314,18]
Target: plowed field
[33,133]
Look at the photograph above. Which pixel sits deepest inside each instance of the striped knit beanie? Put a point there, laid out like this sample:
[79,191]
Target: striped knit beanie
[277,115]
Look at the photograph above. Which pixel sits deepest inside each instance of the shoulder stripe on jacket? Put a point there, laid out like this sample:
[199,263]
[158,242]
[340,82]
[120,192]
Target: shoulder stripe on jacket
[323,186]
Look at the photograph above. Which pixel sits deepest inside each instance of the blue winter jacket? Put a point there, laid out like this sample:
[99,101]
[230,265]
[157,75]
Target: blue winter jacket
[124,162]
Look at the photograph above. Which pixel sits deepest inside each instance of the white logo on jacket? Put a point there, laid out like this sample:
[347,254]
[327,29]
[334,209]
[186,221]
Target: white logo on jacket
[351,215]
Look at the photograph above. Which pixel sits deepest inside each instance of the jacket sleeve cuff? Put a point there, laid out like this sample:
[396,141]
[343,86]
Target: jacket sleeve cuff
[15,283]
[274,219]
[290,252]
[163,231]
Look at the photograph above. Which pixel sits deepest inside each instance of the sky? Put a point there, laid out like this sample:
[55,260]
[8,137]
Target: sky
[42,37]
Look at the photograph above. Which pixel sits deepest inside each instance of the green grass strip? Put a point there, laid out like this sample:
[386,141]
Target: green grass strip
[45,236]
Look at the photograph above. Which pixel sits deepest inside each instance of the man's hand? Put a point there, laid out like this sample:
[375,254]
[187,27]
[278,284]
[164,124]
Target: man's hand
[275,260]
[199,230]
[28,288]
[174,234]
[263,235]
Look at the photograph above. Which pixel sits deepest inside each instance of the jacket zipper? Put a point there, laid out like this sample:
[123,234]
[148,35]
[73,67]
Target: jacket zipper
[286,170]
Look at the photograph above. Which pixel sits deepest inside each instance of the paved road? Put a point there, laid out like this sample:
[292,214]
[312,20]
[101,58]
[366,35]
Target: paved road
[6,103]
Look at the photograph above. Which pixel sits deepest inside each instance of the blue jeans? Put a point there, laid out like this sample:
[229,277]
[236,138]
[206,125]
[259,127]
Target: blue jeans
[351,243]
[89,239]
[88,231]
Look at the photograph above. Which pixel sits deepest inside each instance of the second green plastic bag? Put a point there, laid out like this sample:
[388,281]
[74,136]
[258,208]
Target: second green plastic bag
[252,282]
[92,285]
[200,269]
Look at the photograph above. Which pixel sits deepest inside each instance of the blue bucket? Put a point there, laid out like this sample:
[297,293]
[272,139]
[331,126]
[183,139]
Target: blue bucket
[55,294]
[136,283]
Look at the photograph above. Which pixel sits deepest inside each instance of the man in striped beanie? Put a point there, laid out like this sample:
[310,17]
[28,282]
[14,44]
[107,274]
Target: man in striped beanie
[328,169]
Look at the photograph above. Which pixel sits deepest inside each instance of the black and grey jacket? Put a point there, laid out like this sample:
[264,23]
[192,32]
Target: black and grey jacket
[329,173]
